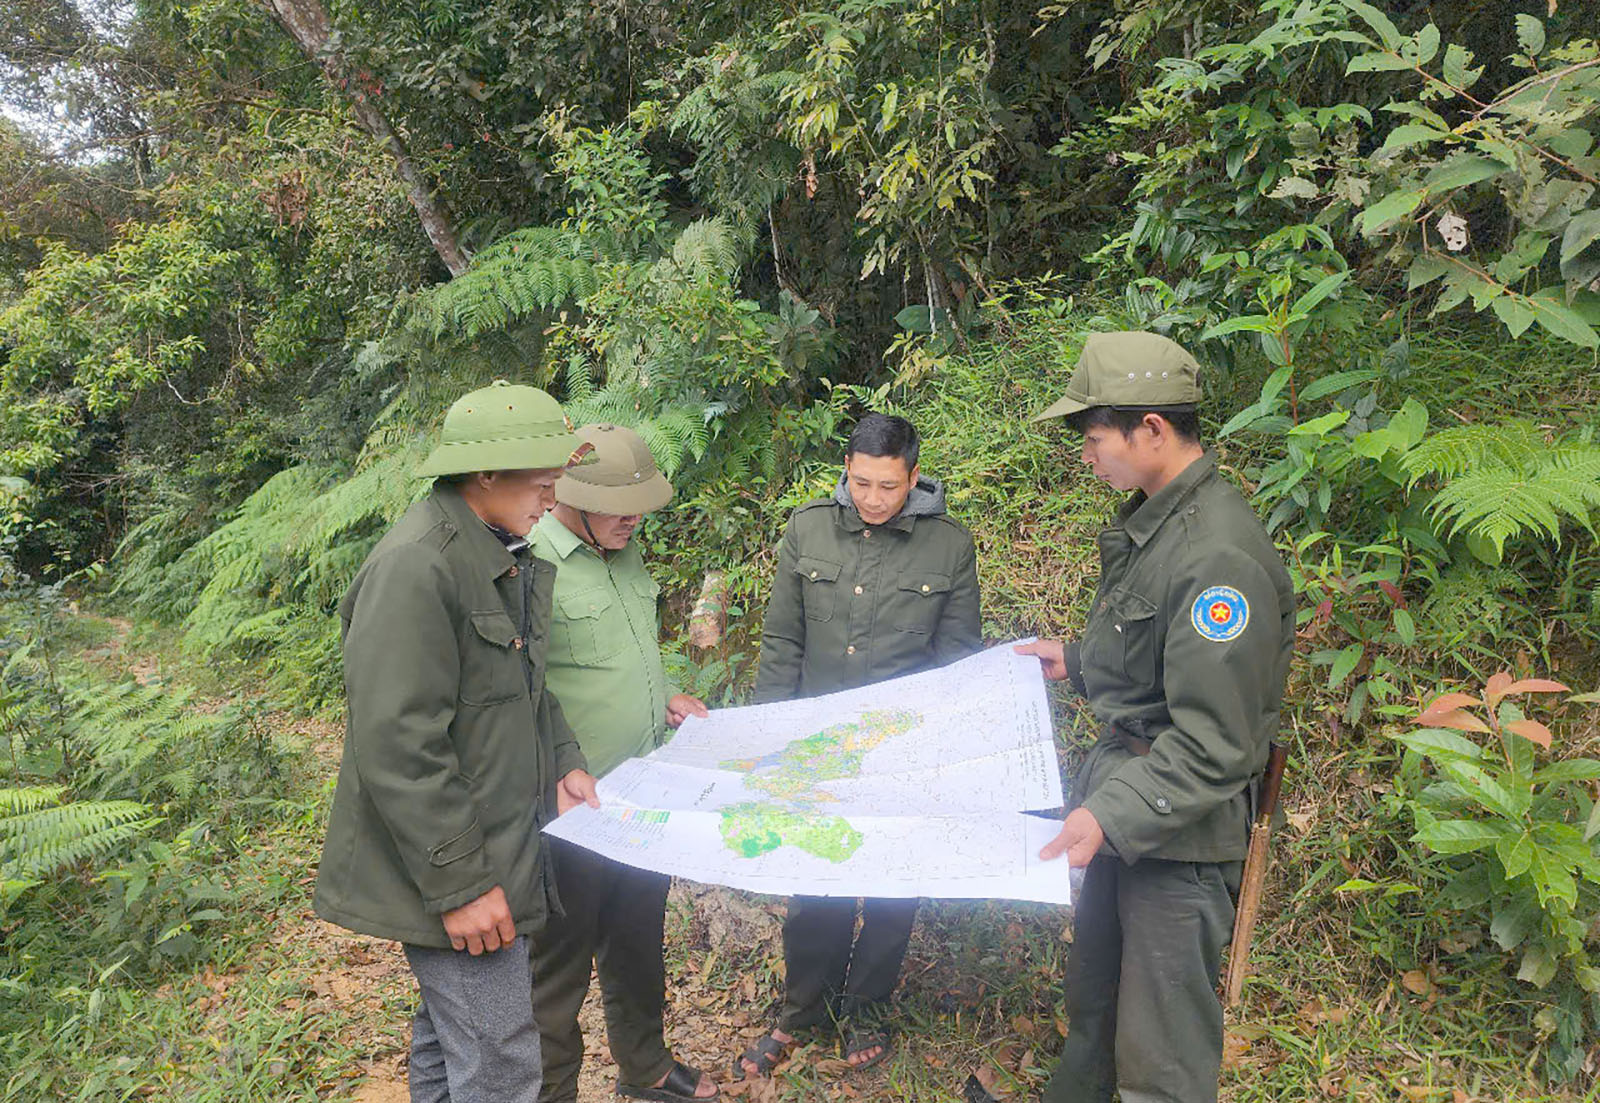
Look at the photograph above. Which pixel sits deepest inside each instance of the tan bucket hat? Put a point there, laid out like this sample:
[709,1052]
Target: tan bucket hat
[621,478]
[502,427]
[1130,369]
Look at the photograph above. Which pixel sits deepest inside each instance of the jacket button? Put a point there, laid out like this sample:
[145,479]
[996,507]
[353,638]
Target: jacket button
[866,534]
[924,587]
[813,574]
[517,643]
[513,572]
[851,650]
[858,589]
[1161,803]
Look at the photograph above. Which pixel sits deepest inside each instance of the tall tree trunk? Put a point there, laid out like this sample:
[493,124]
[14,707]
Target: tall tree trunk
[307,23]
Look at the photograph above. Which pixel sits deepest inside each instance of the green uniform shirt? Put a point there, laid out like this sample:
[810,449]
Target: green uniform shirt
[854,603]
[1185,654]
[605,653]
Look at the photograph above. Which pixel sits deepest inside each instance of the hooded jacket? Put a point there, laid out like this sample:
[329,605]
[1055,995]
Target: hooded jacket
[854,603]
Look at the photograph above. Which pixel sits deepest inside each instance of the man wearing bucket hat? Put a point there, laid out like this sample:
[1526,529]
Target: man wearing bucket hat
[605,666]
[1183,662]
[455,753]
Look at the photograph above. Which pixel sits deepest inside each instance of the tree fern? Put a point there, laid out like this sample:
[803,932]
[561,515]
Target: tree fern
[1455,452]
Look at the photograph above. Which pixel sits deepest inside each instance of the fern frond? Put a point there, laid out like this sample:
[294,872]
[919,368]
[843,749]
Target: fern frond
[1514,445]
[41,840]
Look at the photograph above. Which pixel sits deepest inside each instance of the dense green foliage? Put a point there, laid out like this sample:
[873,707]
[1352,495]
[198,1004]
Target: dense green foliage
[225,342]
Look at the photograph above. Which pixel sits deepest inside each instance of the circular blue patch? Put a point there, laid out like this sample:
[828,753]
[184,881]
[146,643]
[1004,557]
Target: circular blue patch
[1220,613]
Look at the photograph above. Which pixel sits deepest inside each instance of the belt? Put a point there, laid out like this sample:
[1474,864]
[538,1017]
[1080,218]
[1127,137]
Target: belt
[1138,744]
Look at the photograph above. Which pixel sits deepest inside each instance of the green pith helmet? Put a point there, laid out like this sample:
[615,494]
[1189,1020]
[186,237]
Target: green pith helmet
[621,478]
[1131,370]
[502,427]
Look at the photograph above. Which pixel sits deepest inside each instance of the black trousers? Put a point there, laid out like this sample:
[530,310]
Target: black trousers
[614,920]
[1141,984]
[831,972]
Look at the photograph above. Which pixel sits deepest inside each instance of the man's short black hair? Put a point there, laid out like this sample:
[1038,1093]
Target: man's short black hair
[885,435]
[1185,422]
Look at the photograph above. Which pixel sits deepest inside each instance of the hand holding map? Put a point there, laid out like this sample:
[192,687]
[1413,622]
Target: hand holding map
[910,787]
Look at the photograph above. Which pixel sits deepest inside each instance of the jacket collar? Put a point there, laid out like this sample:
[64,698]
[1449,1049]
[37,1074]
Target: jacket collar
[1143,517]
[925,500]
[482,547]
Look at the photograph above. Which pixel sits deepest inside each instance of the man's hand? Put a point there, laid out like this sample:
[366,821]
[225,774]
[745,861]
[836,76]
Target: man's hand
[483,925]
[575,789]
[681,707]
[1051,655]
[1079,840]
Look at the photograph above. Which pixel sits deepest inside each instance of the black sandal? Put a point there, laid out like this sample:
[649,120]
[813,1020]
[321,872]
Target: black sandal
[859,1039]
[765,1055]
[679,1087]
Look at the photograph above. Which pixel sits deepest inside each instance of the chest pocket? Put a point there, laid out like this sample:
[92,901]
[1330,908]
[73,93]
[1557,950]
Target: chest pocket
[1132,619]
[492,662]
[918,599]
[819,579]
[592,627]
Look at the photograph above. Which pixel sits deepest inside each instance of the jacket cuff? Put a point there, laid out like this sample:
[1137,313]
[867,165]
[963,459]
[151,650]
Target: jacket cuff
[1120,811]
[569,757]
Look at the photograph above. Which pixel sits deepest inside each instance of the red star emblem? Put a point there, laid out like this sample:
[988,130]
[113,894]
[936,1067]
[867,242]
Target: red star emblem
[1221,612]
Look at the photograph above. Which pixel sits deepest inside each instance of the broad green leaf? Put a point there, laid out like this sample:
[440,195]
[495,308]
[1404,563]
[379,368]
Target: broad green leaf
[1409,134]
[1440,744]
[1551,878]
[1515,313]
[1581,232]
[1461,169]
[1458,836]
[1427,44]
[1511,924]
[1321,426]
[1515,853]
[1405,627]
[1344,663]
[1538,967]
[1376,62]
[1409,423]
[1334,383]
[1530,35]
[1379,22]
[1425,269]
[1560,319]
[1324,287]
[1592,827]
[1391,207]
[1486,790]
[1456,73]
[1254,323]
[891,99]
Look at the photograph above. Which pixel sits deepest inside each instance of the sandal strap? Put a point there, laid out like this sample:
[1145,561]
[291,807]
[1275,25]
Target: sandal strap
[765,1054]
[682,1079]
[858,1039]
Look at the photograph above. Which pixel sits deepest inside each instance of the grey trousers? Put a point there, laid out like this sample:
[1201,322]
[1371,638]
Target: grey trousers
[1141,983]
[473,1040]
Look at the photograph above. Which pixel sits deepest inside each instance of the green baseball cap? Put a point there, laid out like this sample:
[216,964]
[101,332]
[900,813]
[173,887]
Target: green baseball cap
[502,427]
[620,479]
[1130,369]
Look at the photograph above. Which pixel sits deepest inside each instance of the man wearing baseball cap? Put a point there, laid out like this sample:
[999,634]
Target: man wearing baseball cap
[605,665]
[1183,661]
[455,753]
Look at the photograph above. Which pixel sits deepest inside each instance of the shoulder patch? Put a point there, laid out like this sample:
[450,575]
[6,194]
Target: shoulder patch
[1220,613]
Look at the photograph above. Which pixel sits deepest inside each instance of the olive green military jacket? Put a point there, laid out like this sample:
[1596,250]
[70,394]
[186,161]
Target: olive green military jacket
[1184,661]
[605,650]
[854,603]
[452,747]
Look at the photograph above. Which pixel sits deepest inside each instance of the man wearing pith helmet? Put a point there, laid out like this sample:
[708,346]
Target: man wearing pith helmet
[1183,662]
[605,665]
[455,753]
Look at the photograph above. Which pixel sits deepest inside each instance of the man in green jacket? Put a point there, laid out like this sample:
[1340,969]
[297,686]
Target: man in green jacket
[605,665]
[1183,661]
[872,583]
[454,753]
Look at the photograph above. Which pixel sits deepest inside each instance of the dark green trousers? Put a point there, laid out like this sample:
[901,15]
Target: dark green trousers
[832,973]
[614,919]
[1141,984]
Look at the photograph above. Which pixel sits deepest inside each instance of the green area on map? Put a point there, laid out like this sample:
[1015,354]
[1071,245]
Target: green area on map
[790,778]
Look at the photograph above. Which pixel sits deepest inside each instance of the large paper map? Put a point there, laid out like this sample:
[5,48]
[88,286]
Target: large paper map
[911,787]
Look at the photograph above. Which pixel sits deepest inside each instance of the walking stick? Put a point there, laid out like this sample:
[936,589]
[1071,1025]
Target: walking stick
[1255,873]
